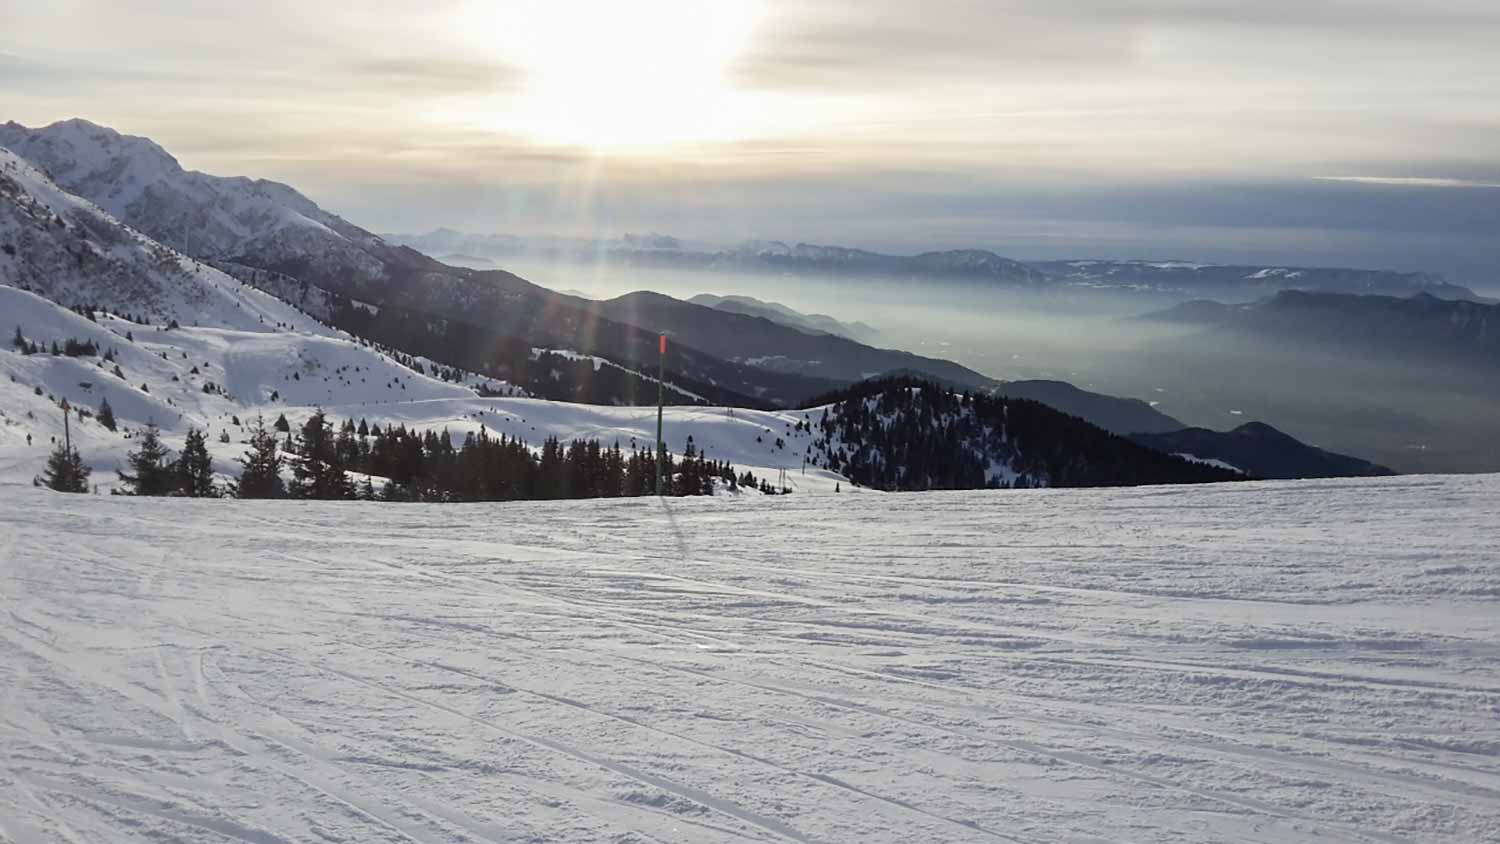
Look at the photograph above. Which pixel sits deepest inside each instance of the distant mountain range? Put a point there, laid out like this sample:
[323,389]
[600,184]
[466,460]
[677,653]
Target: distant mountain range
[1116,415]
[777,312]
[1422,326]
[771,346]
[1254,449]
[1188,278]
[969,265]
[1261,451]
[1170,279]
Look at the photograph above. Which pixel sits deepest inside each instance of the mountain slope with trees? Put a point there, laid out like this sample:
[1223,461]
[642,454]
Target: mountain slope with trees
[1261,451]
[773,346]
[777,312]
[907,434]
[1112,413]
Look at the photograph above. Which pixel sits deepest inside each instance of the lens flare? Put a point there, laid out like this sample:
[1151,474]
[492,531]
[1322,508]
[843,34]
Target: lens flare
[607,74]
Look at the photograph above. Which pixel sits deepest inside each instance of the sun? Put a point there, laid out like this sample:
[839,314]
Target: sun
[624,73]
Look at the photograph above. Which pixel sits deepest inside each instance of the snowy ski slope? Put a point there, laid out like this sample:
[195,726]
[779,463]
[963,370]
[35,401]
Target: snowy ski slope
[1289,661]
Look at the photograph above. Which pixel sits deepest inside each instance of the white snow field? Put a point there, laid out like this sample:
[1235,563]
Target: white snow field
[1288,661]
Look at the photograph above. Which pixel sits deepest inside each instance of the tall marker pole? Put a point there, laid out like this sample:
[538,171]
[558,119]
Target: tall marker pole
[67,434]
[661,445]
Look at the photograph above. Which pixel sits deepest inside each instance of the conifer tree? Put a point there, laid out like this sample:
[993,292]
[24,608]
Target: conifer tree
[261,477]
[106,415]
[195,468]
[65,471]
[154,473]
[319,474]
[346,446]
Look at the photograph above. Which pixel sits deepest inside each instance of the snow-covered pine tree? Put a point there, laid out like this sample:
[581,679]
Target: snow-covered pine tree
[261,477]
[195,468]
[65,471]
[154,473]
[106,415]
[319,474]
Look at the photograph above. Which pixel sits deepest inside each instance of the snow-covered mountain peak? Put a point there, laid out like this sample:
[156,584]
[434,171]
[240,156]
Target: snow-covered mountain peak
[140,183]
[763,247]
[78,153]
[75,253]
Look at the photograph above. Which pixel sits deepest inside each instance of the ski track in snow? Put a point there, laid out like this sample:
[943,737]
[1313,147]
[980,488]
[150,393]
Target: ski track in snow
[1288,661]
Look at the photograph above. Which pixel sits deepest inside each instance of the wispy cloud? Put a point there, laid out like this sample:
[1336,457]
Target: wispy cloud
[1410,181]
[435,75]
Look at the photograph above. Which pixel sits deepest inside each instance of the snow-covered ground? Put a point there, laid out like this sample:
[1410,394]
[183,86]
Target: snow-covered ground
[1290,661]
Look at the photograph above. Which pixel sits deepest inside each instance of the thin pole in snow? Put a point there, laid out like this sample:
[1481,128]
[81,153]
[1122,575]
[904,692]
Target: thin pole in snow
[661,445]
[67,434]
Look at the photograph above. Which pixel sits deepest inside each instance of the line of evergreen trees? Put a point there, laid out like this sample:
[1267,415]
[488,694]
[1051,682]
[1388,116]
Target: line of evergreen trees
[418,466]
[71,347]
[153,471]
[426,466]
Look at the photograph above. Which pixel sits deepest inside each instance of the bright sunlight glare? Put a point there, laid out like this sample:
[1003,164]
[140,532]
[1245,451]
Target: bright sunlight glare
[618,74]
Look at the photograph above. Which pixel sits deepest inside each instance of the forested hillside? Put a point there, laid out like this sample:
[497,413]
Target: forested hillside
[907,434]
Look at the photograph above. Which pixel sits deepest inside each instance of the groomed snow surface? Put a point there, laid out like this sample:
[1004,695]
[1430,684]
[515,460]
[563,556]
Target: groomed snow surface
[1291,661]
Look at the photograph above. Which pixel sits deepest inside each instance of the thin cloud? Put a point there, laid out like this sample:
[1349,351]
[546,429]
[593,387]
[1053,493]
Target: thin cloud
[1410,181]
[436,75]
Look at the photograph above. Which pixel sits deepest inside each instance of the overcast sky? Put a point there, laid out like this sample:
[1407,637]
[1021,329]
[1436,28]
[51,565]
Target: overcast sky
[1321,131]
